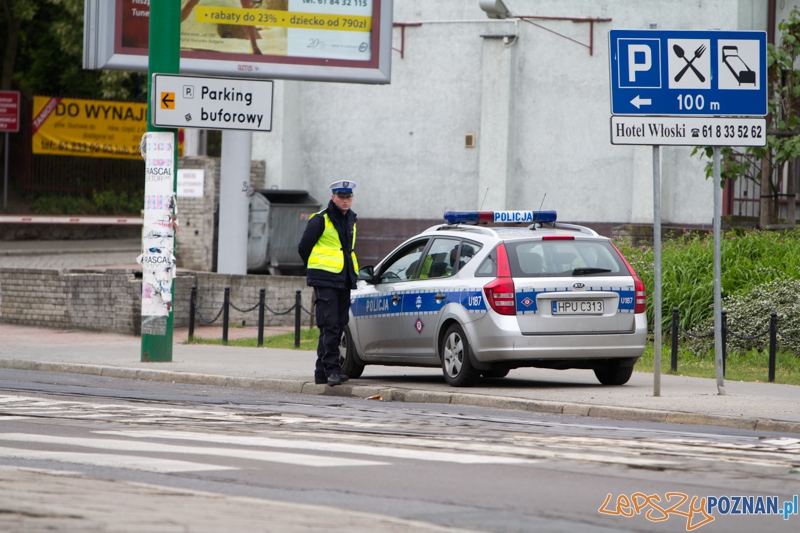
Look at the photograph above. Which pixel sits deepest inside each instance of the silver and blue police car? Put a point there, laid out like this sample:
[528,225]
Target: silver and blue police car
[480,299]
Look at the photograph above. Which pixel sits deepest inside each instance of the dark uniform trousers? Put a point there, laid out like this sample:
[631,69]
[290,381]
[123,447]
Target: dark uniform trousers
[332,306]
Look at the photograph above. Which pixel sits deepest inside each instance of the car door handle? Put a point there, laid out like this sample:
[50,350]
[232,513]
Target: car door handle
[396,299]
[439,297]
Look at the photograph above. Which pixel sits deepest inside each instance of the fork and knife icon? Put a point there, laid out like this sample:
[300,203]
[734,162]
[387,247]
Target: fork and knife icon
[697,53]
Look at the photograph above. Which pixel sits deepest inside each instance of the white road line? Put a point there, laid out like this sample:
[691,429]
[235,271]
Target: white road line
[328,446]
[253,455]
[129,462]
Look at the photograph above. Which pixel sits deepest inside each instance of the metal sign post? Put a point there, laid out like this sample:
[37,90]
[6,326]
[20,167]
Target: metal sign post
[657,270]
[9,123]
[718,274]
[158,234]
[688,88]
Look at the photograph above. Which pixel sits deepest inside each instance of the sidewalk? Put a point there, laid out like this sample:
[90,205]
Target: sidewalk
[683,400]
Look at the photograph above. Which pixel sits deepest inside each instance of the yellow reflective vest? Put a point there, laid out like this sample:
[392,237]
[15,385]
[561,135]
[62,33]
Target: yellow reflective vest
[327,254]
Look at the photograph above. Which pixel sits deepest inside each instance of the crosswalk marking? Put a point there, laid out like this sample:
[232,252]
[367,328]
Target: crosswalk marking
[328,446]
[130,462]
[253,455]
[335,436]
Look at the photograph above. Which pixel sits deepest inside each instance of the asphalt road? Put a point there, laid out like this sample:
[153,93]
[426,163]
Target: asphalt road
[102,454]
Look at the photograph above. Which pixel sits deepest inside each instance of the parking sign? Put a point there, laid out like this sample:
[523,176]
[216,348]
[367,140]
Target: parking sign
[700,73]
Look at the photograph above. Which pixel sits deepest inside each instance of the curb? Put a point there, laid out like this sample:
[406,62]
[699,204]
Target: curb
[395,394]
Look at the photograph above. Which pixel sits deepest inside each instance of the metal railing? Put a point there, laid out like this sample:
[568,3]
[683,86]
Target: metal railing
[261,306]
[772,331]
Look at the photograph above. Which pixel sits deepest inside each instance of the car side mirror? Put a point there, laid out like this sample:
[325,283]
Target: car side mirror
[367,274]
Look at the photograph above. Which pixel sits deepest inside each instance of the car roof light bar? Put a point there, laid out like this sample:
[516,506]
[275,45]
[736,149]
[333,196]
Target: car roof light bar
[488,217]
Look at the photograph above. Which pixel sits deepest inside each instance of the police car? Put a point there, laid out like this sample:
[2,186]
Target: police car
[480,300]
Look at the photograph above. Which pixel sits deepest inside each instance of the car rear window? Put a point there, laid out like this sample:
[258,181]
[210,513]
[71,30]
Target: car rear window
[554,258]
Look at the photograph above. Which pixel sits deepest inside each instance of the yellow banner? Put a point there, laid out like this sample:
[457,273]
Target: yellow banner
[90,128]
[281,19]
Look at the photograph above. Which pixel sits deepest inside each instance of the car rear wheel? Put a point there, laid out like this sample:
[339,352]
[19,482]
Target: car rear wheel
[348,360]
[613,374]
[458,370]
[498,373]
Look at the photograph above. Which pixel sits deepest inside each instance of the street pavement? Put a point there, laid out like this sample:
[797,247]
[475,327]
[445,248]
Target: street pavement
[683,400]
[40,500]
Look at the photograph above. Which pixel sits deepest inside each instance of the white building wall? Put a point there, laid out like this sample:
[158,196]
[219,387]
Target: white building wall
[403,143]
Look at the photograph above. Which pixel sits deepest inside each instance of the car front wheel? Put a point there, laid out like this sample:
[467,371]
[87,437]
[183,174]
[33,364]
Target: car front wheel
[458,370]
[348,359]
[613,374]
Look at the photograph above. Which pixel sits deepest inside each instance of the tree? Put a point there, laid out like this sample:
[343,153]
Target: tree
[16,13]
[44,53]
[765,165]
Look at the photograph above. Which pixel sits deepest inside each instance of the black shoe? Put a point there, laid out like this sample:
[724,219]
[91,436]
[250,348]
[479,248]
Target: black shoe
[337,379]
[320,381]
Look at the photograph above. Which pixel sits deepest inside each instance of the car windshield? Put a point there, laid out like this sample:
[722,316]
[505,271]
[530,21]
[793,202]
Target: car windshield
[552,258]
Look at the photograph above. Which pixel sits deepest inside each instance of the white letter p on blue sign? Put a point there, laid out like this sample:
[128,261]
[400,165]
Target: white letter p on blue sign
[641,51]
[639,62]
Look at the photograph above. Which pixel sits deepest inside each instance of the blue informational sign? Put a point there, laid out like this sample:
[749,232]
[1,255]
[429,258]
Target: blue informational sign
[681,72]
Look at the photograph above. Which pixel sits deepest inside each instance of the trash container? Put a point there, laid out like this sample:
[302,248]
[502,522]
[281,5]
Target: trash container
[276,224]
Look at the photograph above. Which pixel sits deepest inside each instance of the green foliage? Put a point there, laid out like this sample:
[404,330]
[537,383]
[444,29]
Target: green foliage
[48,56]
[783,141]
[103,203]
[747,366]
[748,261]
[285,341]
[748,316]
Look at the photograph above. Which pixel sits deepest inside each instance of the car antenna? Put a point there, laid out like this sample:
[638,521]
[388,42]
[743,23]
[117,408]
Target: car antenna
[484,198]
[543,197]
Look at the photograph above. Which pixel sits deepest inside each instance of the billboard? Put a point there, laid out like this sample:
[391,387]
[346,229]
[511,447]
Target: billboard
[319,40]
[89,128]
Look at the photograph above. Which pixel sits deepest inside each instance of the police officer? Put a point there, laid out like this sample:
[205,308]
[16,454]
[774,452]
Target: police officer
[327,249]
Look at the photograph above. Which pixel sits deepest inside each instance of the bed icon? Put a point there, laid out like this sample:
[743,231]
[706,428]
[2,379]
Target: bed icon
[737,66]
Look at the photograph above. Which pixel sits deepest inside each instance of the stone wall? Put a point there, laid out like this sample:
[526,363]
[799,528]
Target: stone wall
[110,300]
[94,301]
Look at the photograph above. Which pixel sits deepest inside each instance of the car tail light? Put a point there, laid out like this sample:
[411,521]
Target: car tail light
[558,238]
[640,305]
[500,292]
[641,298]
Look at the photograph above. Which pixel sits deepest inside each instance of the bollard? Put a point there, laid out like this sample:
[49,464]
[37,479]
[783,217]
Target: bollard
[297,308]
[225,305]
[724,333]
[192,303]
[674,361]
[261,305]
[773,341]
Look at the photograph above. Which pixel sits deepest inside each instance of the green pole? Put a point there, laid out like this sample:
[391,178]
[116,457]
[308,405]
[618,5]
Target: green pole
[163,57]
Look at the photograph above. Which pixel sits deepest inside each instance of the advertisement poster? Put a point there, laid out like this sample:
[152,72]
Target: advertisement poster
[320,29]
[88,128]
[157,258]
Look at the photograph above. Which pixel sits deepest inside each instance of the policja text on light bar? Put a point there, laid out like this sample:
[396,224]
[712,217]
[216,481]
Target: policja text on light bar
[486,217]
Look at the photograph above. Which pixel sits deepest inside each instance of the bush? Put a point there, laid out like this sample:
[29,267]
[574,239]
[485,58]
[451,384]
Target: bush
[103,203]
[749,260]
[748,316]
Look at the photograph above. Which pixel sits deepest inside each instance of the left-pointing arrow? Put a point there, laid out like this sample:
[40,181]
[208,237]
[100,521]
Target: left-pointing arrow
[167,100]
[641,101]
